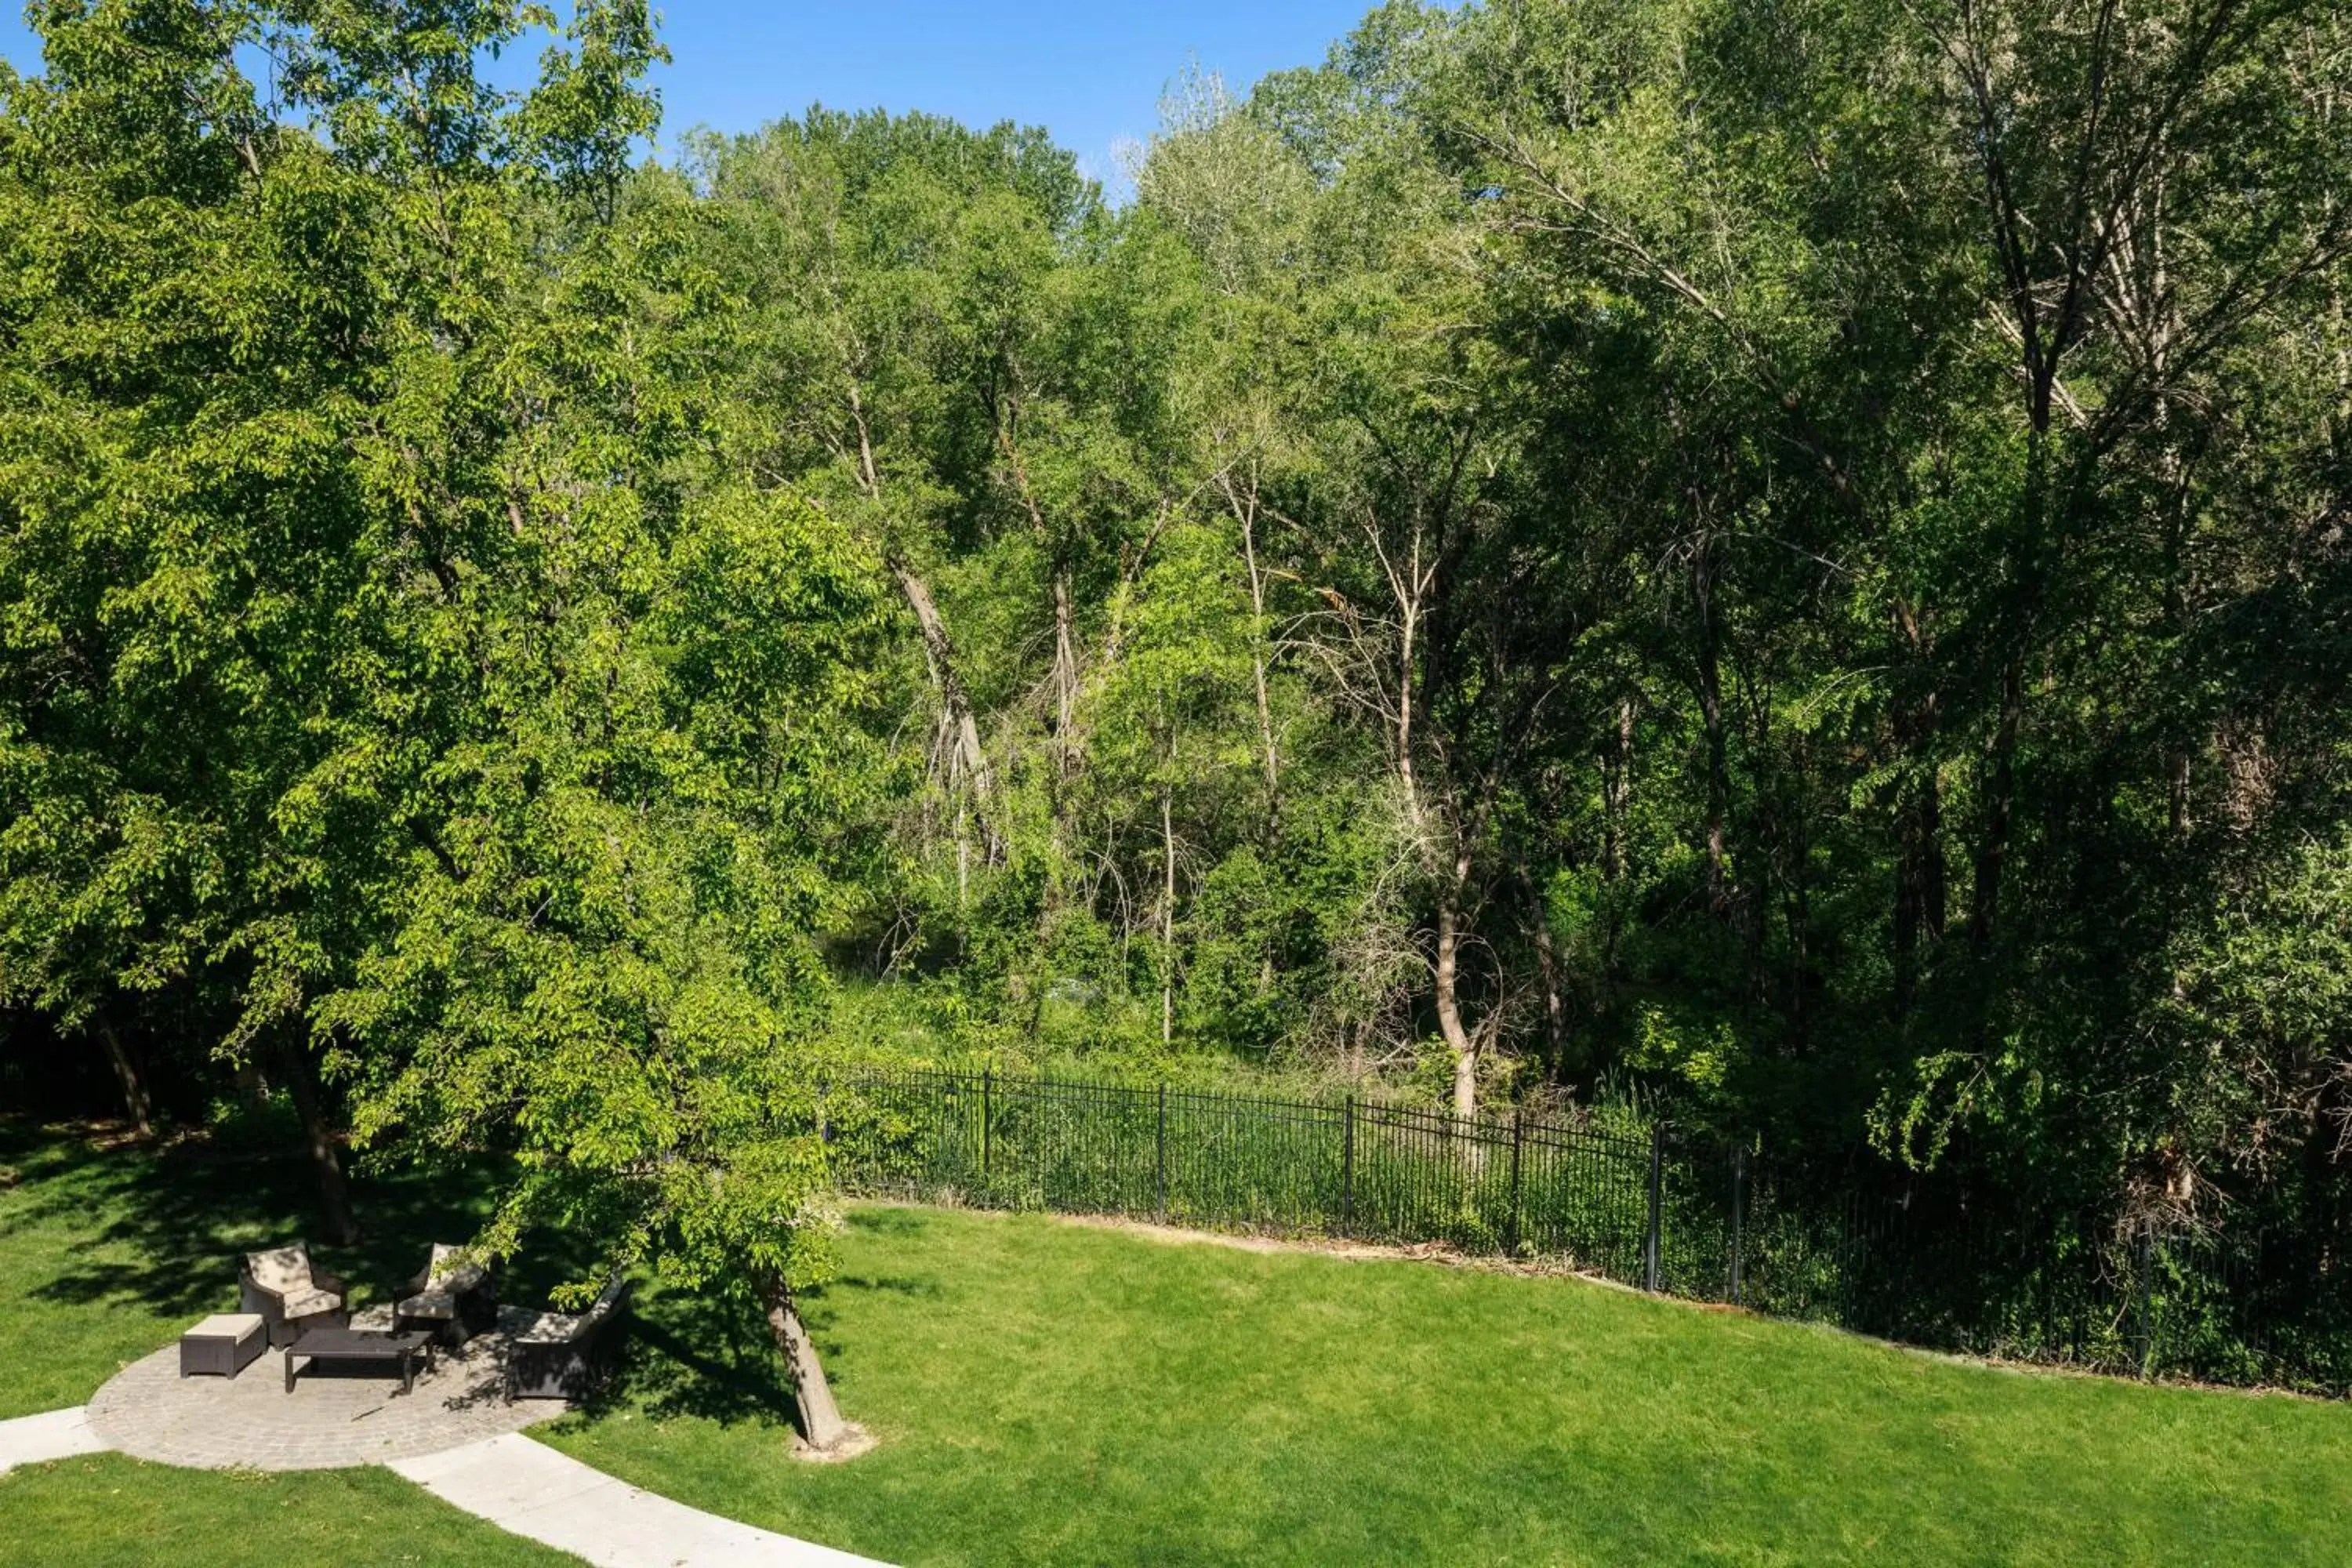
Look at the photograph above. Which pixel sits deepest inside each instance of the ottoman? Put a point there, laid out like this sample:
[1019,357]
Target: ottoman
[223,1346]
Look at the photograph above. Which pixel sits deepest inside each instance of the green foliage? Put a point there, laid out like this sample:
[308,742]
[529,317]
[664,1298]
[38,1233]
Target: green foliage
[401,664]
[1784,564]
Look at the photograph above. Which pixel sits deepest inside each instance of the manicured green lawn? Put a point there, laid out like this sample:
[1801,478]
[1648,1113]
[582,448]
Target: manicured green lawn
[1050,1393]
[104,1511]
[101,1260]
[104,1257]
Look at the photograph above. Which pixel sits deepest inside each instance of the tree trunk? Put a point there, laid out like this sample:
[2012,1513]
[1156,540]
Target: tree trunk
[1449,1007]
[251,1084]
[821,1426]
[1066,668]
[1919,895]
[1412,615]
[940,654]
[1617,789]
[135,1103]
[1167,920]
[1710,703]
[318,1140]
[1547,972]
[1257,670]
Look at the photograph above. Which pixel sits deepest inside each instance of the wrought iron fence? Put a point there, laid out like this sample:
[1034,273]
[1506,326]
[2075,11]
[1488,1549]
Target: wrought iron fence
[1885,1251]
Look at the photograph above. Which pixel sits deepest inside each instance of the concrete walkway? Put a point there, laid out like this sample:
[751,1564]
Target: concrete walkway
[53,1434]
[530,1489]
[526,1488]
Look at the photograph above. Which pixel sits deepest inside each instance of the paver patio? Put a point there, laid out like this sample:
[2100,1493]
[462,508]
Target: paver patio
[335,1415]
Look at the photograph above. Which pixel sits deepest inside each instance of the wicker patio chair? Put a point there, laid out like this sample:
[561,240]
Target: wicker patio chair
[292,1293]
[452,1296]
[562,1355]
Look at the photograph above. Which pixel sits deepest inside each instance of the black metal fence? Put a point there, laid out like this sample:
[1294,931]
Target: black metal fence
[1876,1249]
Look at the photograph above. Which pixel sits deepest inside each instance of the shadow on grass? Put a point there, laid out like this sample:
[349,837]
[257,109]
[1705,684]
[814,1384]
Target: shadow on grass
[708,1354]
[164,1230]
[701,1356]
[890,1220]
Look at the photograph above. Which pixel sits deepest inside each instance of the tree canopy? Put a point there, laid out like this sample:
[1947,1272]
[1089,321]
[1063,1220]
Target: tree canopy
[1784,560]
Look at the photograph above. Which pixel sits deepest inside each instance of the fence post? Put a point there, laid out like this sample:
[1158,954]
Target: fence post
[1513,1238]
[1348,1171]
[1163,1160]
[1738,1203]
[987,1084]
[1650,1260]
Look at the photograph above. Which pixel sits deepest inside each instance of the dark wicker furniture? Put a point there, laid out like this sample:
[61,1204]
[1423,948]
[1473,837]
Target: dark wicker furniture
[223,1345]
[450,1297]
[562,1355]
[339,1344]
[293,1295]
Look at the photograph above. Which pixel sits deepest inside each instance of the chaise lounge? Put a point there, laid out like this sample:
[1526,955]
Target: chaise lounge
[562,1355]
[291,1294]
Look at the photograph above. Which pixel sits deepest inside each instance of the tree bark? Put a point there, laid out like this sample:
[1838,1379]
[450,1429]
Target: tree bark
[1449,1007]
[1167,920]
[133,1083]
[1410,608]
[940,653]
[1710,702]
[1547,972]
[1066,669]
[821,1426]
[1247,517]
[319,1142]
[1919,892]
[251,1084]
[1617,789]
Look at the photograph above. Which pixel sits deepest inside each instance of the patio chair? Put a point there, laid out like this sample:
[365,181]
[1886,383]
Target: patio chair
[562,1355]
[292,1293]
[451,1295]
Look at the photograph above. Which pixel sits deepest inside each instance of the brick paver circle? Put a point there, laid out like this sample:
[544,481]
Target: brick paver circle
[337,1415]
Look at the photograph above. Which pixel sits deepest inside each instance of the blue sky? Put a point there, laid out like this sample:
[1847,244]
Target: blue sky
[1092,74]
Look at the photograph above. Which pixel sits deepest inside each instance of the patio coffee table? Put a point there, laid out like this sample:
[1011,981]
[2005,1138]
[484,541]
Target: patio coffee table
[362,1345]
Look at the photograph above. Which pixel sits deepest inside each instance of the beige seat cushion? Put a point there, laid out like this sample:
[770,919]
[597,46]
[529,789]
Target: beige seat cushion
[303,1302]
[237,1326]
[526,1327]
[431,1304]
[450,1270]
[281,1270]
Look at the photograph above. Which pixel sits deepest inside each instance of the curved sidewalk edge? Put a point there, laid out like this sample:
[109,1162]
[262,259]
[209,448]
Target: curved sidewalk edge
[52,1434]
[530,1489]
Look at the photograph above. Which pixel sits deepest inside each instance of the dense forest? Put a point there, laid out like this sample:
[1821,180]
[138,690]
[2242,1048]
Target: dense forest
[1781,561]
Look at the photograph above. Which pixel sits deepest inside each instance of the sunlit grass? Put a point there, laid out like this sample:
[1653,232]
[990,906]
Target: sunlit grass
[106,1512]
[1053,1392]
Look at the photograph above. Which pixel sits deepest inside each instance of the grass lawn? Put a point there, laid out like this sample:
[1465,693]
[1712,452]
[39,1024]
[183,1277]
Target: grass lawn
[1052,1393]
[106,1256]
[105,1510]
